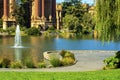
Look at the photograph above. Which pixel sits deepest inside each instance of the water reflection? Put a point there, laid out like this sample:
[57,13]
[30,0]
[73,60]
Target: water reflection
[36,45]
[18,54]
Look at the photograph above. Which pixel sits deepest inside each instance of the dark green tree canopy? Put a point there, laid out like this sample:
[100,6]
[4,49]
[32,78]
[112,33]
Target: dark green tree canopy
[22,12]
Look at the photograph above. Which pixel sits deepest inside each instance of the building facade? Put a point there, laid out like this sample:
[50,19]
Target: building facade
[43,13]
[7,17]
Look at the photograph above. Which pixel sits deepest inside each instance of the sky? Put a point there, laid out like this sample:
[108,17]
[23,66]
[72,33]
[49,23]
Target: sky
[83,1]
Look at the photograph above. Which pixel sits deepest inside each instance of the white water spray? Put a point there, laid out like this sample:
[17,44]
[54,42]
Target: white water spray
[18,42]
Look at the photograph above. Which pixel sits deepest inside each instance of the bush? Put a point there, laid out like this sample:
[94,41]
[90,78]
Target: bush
[68,61]
[117,54]
[33,31]
[51,28]
[64,53]
[42,65]
[5,63]
[69,54]
[113,61]
[16,64]
[55,61]
[29,63]
[11,29]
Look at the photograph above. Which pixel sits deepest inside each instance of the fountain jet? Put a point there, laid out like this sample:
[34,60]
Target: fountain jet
[18,43]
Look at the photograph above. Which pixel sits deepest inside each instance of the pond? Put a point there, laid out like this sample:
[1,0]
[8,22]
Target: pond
[34,46]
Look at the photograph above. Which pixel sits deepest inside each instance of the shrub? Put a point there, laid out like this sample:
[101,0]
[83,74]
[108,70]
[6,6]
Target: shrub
[0,63]
[5,63]
[11,29]
[69,54]
[29,63]
[68,61]
[113,61]
[52,28]
[55,61]
[16,64]
[33,31]
[117,54]
[64,53]
[42,65]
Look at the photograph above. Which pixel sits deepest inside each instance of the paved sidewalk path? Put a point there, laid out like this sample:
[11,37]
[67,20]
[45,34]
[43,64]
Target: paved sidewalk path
[87,60]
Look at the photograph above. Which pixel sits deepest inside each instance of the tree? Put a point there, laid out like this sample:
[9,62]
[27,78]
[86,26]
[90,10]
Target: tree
[108,19]
[71,23]
[88,22]
[73,7]
[22,12]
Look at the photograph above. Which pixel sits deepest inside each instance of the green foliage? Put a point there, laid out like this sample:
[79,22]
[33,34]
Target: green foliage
[42,65]
[1,22]
[33,31]
[108,19]
[65,53]
[68,58]
[88,23]
[73,12]
[36,75]
[67,61]
[5,63]
[51,28]
[55,60]
[72,23]
[11,29]
[16,64]
[113,62]
[22,12]
[29,63]
[117,54]
[73,7]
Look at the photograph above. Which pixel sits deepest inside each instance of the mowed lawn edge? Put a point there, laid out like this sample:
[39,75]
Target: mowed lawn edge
[89,75]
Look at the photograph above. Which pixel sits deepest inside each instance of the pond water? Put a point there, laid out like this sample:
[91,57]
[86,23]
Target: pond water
[34,46]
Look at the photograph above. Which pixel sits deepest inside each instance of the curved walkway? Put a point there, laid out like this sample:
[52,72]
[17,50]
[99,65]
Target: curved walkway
[87,60]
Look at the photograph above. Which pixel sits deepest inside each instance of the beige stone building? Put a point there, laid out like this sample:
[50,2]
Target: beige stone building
[44,13]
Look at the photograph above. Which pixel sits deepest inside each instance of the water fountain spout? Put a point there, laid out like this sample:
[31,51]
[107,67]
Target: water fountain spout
[18,42]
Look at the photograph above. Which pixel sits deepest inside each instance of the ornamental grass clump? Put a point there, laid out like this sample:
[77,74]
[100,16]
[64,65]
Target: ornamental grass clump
[68,58]
[16,64]
[42,65]
[67,61]
[55,60]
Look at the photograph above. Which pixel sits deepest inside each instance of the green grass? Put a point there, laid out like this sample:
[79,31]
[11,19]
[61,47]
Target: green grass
[93,75]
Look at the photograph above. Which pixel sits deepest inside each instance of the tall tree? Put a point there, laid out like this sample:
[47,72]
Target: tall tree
[108,19]
[22,12]
[73,7]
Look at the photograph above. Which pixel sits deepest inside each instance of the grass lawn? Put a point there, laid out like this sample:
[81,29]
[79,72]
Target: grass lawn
[92,75]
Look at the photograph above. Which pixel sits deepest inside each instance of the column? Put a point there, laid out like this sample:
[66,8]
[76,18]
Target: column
[11,8]
[57,17]
[50,14]
[36,4]
[53,9]
[43,8]
[60,13]
[5,6]
[5,13]
[35,9]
